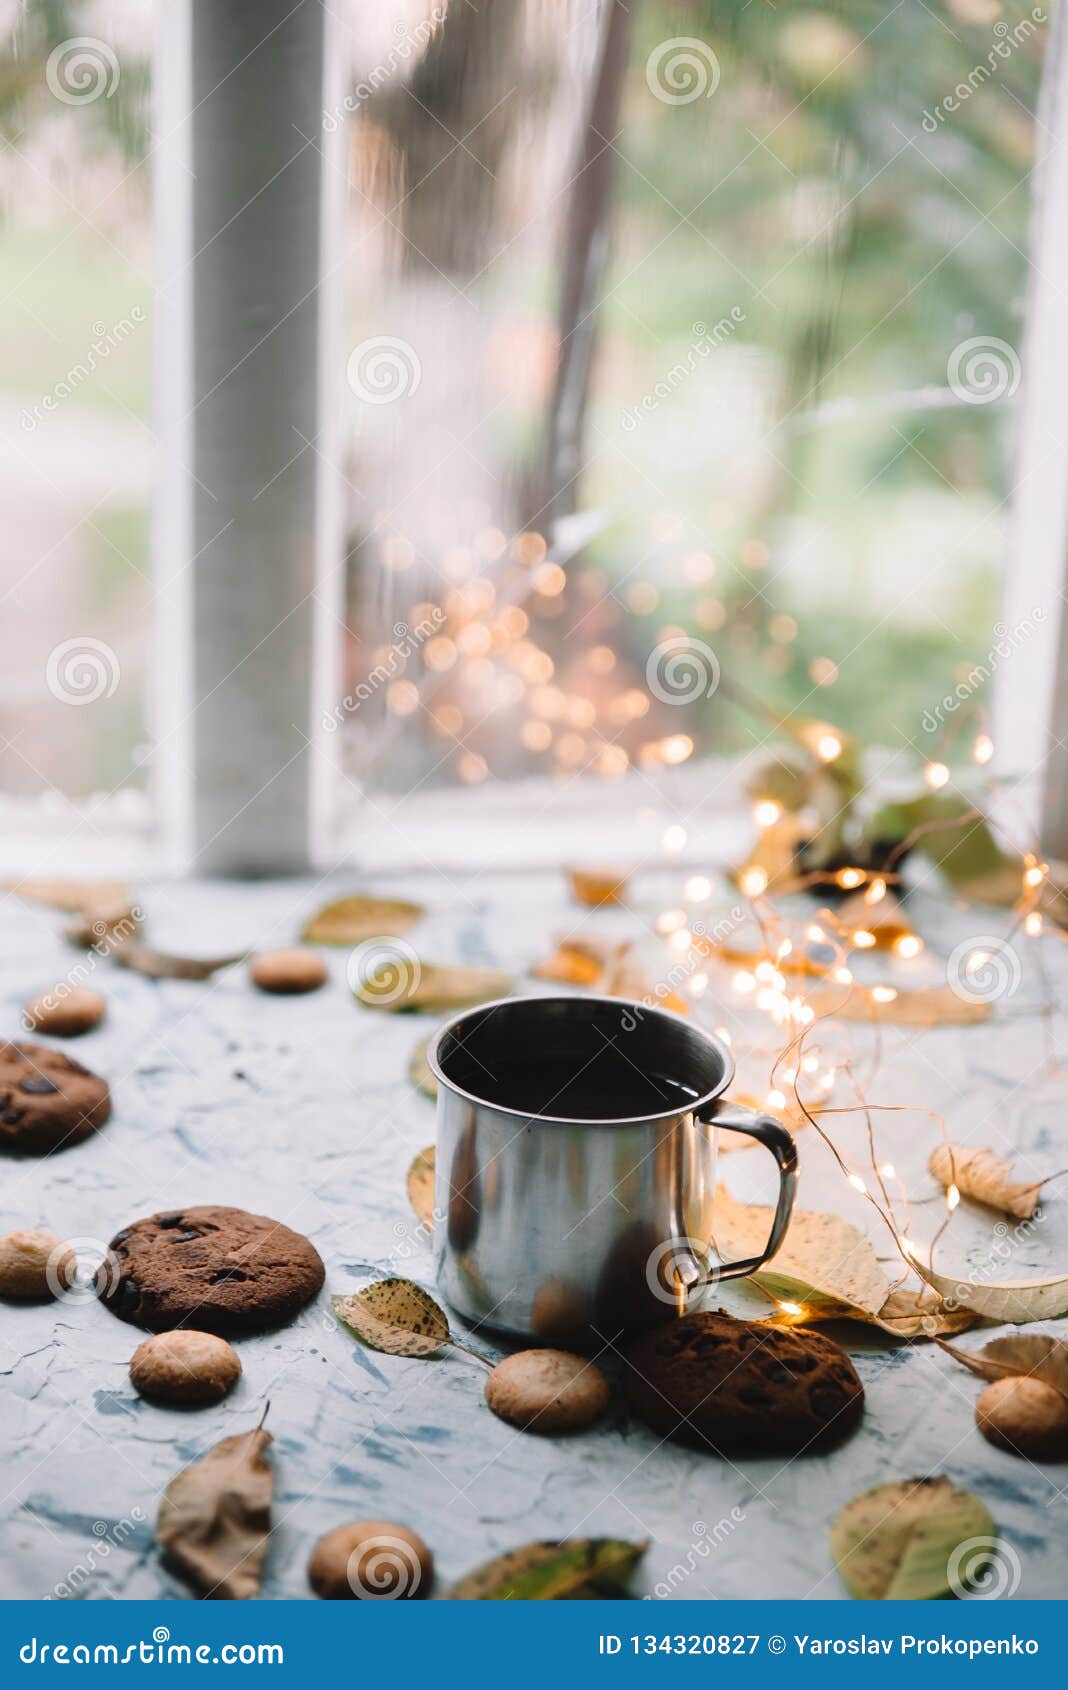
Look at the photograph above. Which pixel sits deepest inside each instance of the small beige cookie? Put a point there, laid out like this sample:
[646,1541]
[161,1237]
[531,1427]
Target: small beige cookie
[547,1391]
[184,1367]
[1026,1416]
[66,1011]
[288,971]
[371,1561]
[35,1266]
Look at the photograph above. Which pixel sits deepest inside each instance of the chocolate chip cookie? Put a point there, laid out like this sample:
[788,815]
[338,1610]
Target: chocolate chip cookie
[740,1386]
[216,1270]
[47,1100]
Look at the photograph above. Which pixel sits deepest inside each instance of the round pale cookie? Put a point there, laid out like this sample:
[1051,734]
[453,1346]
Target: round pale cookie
[209,1268]
[1026,1416]
[47,1100]
[547,1391]
[184,1367]
[66,1011]
[35,1266]
[288,971]
[371,1561]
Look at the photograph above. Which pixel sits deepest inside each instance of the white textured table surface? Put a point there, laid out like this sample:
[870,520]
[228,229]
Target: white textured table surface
[300,1109]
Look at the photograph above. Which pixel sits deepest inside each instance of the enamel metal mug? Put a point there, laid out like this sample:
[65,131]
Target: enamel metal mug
[576,1151]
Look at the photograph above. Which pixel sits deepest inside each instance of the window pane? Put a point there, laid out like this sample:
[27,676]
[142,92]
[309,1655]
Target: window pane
[783,250]
[75,273]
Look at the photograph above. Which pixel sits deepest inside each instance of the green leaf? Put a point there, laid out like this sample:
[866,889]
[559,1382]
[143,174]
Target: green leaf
[966,851]
[397,1317]
[349,921]
[546,1572]
[913,1540]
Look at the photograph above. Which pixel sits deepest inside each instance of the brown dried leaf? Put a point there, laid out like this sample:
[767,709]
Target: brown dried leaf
[979,1174]
[885,921]
[823,1261]
[929,1006]
[421,1176]
[348,921]
[576,962]
[541,1572]
[105,926]
[397,1317]
[215,1518]
[1018,1300]
[415,985]
[830,1269]
[78,896]
[161,965]
[1021,1355]
[594,886]
[921,1314]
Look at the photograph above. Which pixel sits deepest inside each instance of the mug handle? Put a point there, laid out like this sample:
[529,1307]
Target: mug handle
[774,1137]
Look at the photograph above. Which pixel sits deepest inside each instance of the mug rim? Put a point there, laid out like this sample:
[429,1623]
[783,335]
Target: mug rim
[433,1059]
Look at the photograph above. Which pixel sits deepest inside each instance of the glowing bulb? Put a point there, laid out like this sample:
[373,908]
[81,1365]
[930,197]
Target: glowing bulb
[1035,875]
[784,949]
[670,921]
[766,812]
[858,1184]
[816,934]
[810,1064]
[876,891]
[908,945]
[884,994]
[1033,924]
[936,775]
[952,1197]
[681,939]
[791,1308]
[976,961]
[697,888]
[983,748]
[754,881]
[698,985]
[888,1171]
[842,977]
[789,1075]
[828,747]
[863,940]
[673,840]
[849,877]
[775,1100]
[743,982]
